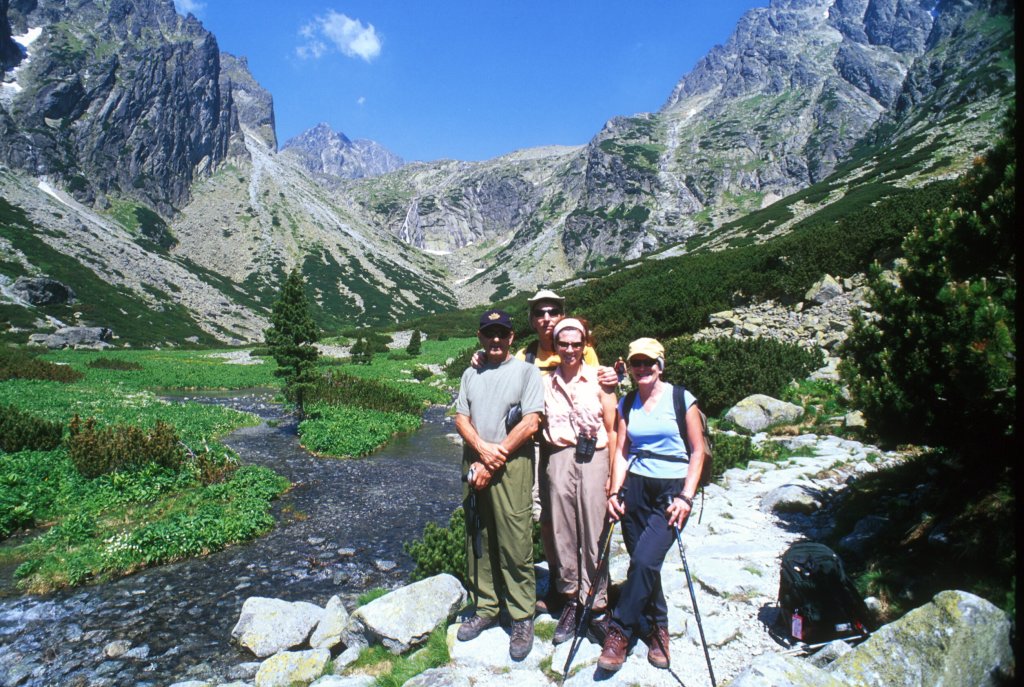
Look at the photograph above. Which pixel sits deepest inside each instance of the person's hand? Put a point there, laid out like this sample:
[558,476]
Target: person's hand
[677,513]
[607,377]
[493,456]
[616,509]
[476,361]
[481,476]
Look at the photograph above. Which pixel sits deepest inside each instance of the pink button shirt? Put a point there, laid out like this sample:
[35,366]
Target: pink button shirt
[572,407]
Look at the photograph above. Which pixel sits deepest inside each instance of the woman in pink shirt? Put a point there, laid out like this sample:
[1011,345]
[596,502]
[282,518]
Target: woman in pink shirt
[579,429]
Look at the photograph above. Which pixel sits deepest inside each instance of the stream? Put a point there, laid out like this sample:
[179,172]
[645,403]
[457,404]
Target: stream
[340,531]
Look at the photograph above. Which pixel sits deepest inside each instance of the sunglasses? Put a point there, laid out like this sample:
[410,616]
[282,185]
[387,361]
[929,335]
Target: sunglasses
[570,344]
[643,362]
[550,312]
[495,333]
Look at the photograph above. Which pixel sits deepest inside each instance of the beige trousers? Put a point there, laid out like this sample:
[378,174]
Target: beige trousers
[574,503]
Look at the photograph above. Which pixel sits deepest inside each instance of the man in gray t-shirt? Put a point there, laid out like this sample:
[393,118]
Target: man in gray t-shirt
[499,463]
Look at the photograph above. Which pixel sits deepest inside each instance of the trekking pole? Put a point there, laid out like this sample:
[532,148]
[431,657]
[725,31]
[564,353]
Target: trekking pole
[693,599]
[584,619]
[473,525]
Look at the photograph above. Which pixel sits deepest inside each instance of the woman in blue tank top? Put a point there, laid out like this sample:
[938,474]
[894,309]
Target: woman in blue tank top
[659,477]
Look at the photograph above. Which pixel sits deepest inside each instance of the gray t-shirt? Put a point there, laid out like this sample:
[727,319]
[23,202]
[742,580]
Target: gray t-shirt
[487,392]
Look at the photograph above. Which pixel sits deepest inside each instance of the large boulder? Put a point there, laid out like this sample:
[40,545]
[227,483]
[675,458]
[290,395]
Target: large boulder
[267,626]
[405,617]
[792,498]
[824,290]
[42,291]
[957,640]
[80,337]
[290,668]
[758,411]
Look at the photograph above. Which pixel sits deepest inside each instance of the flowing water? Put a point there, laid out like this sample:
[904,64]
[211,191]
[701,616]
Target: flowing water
[340,531]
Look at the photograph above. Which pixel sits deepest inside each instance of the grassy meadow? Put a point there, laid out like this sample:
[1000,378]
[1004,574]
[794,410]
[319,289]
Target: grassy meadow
[137,481]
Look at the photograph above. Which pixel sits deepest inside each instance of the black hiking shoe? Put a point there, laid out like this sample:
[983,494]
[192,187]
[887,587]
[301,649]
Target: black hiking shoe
[521,644]
[566,624]
[472,628]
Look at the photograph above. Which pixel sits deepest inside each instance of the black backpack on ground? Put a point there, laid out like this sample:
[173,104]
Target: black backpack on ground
[818,602]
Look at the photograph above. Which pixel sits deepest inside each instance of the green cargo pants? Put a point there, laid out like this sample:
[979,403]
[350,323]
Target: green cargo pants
[505,571]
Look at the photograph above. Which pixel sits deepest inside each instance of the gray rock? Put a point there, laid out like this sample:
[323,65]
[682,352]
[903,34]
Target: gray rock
[829,653]
[792,498]
[345,681]
[117,648]
[80,337]
[43,291]
[863,533]
[329,631]
[758,411]
[267,626]
[405,617]
[824,290]
[289,668]
[440,677]
[778,670]
[956,640]
[855,419]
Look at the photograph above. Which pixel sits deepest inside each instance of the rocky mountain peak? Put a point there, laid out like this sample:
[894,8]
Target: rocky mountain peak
[324,151]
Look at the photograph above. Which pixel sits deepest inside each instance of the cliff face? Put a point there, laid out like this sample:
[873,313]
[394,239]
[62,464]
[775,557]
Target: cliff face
[118,97]
[255,104]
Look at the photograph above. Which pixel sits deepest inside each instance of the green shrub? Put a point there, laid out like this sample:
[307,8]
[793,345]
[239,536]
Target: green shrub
[30,484]
[100,451]
[113,364]
[20,431]
[399,355]
[936,361]
[731,451]
[458,365]
[440,549]
[421,373]
[347,431]
[721,372]
[337,387]
[443,549]
[16,363]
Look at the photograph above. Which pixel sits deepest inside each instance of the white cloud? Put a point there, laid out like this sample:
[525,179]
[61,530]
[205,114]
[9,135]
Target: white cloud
[361,100]
[184,7]
[348,35]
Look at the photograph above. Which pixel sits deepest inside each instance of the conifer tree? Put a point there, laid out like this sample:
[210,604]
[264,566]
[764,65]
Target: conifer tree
[414,343]
[935,362]
[291,338]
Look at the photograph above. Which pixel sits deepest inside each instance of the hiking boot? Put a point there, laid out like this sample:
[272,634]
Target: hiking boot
[613,653]
[472,628]
[566,624]
[598,629]
[521,644]
[657,647]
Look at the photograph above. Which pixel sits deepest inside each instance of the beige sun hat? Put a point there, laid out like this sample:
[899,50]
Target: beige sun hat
[546,295]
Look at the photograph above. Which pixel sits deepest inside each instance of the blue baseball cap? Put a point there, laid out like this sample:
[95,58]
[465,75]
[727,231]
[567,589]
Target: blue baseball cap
[496,317]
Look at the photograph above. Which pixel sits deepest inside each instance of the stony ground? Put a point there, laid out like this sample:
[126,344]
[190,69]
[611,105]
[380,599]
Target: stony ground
[733,555]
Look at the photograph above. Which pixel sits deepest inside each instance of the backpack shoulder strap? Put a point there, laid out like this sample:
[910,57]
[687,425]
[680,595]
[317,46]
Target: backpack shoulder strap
[531,353]
[679,403]
[627,404]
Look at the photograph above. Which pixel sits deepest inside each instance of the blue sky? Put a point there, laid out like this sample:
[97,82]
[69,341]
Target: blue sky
[466,80]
